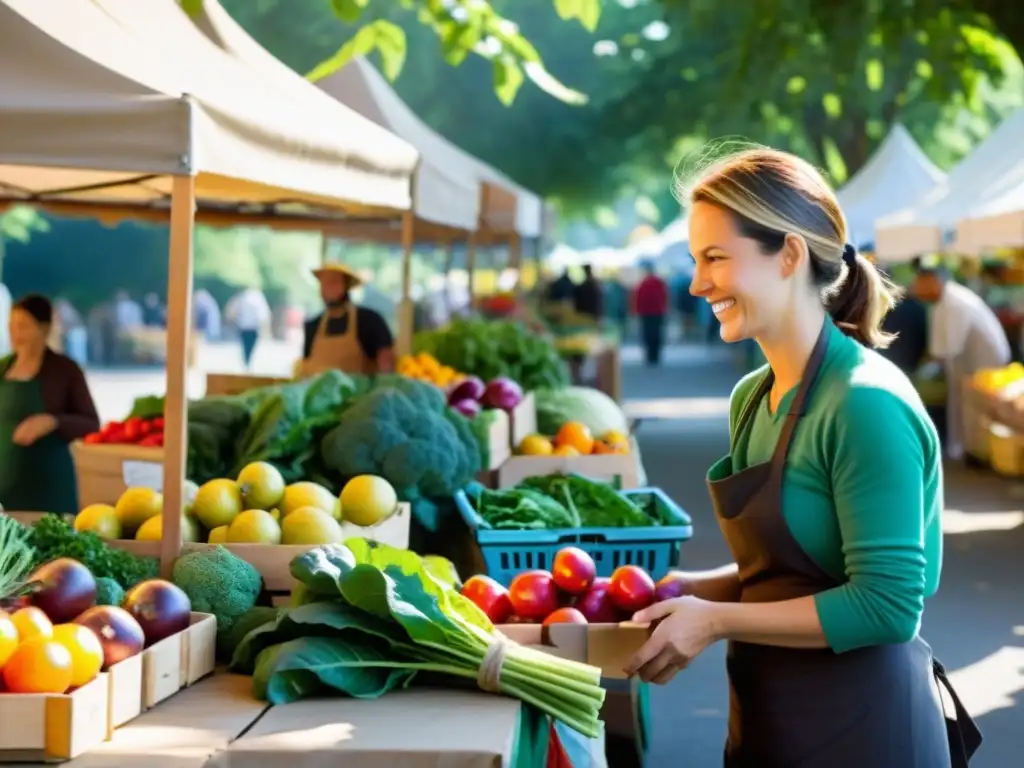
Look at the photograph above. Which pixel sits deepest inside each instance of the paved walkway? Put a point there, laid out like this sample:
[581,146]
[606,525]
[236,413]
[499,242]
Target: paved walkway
[975,623]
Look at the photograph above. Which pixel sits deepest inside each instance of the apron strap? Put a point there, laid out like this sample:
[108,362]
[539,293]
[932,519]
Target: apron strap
[964,735]
[799,405]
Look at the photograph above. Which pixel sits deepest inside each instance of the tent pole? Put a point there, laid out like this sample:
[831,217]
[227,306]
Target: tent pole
[405,308]
[471,269]
[179,329]
[449,260]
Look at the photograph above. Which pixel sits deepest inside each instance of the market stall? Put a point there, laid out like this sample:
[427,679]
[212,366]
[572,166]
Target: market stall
[926,226]
[449,202]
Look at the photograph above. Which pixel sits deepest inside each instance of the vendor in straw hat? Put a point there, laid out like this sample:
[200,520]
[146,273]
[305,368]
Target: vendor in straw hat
[345,337]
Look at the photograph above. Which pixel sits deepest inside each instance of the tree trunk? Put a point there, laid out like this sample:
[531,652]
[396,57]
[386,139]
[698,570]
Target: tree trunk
[855,146]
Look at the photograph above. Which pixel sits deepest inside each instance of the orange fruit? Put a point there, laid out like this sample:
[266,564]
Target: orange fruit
[8,638]
[565,450]
[39,666]
[85,649]
[31,622]
[577,435]
[601,447]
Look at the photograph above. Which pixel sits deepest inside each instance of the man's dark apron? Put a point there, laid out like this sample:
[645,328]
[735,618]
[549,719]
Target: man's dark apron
[38,477]
[875,707]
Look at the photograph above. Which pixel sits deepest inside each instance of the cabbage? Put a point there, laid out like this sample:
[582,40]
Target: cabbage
[588,406]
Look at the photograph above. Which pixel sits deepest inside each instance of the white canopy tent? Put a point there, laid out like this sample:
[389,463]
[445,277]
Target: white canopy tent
[998,222]
[506,209]
[923,227]
[445,193]
[898,174]
[99,115]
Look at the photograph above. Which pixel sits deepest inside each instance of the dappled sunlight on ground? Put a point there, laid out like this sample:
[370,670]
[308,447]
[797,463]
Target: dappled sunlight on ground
[991,683]
[956,521]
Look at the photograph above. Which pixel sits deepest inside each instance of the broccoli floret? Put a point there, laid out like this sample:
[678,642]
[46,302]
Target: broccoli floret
[108,591]
[217,582]
[408,437]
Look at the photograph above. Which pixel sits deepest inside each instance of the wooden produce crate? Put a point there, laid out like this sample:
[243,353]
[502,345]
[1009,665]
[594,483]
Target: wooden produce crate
[55,728]
[523,419]
[273,560]
[178,661]
[235,384]
[51,727]
[609,466]
[104,472]
[499,441]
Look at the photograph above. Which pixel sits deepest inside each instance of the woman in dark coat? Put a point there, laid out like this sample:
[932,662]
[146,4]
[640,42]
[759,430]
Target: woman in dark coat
[44,405]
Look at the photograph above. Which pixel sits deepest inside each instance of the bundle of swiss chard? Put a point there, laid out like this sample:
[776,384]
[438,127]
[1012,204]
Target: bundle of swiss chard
[366,619]
[557,501]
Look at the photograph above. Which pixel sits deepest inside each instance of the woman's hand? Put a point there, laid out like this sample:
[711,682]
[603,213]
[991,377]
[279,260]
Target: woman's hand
[33,428]
[685,627]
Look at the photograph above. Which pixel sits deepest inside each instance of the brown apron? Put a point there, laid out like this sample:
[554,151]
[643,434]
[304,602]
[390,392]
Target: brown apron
[341,352]
[876,707]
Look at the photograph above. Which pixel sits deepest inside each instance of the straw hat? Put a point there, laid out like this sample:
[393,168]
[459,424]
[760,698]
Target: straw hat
[339,269]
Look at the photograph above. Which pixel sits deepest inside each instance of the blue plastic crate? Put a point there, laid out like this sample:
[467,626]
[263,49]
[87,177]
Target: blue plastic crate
[655,548]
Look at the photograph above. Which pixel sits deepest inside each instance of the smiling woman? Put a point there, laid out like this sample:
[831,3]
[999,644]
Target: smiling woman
[830,499]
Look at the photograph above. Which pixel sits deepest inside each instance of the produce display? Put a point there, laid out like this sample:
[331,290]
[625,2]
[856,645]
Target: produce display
[489,349]
[574,438]
[255,508]
[425,367]
[471,395]
[55,637]
[148,433]
[581,405]
[366,619]
[992,380]
[571,592]
[557,501]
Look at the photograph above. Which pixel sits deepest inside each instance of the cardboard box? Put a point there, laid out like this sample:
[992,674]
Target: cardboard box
[609,466]
[45,727]
[412,728]
[104,472]
[499,441]
[609,647]
[273,560]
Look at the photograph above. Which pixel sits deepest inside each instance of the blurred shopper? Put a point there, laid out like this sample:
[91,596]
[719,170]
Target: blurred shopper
[965,336]
[249,312]
[588,296]
[44,405]
[652,306]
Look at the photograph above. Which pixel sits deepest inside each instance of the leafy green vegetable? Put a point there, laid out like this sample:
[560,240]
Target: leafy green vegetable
[53,536]
[557,501]
[492,348]
[16,555]
[365,629]
[403,431]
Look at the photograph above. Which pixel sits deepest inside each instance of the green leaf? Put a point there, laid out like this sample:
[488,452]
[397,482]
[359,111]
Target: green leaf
[191,7]
[587,11]
[874,75]
[508,78]
[305,666]
[832,104]
[381,35]
[796,85]
[322,569]
[349,11]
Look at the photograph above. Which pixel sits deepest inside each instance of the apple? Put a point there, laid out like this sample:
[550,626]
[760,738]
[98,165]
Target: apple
[573,570]
[490,597]
[631,588]
[596,603]
[533,595]
[565,616]
[671,585]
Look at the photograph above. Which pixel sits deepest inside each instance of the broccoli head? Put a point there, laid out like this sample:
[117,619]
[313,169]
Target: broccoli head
[217,582]
[407,435]
[108,591]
